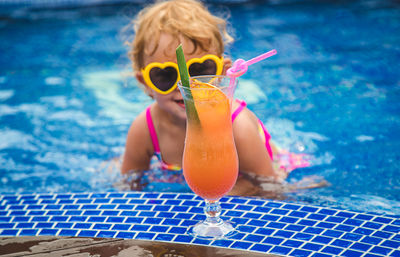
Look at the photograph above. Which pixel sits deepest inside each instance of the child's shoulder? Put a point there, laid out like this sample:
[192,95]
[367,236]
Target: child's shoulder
[139,127]
[140,119]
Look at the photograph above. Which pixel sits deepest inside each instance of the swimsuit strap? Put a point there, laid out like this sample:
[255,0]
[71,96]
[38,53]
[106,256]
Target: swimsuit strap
[267,138]
[239,109]
[154,140]
[152,131]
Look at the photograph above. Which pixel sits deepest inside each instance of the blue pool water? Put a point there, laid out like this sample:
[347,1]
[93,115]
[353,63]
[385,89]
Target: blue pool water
[332,92]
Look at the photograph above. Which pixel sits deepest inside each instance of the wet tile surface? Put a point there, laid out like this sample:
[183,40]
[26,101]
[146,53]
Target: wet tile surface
[262,225]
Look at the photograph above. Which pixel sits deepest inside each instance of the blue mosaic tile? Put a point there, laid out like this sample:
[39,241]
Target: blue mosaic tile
[332,250]
[24,219]
[345,214]
[106,234]
[273,240]
[298,214]
[380,250]
[238,236]
[71,213]
[288,220]
[351,253]
[263,225]
[82,225]
[254,238]
[325,225]
[270,217]
[300,253]
[293,243]
[372,255]
[9,232]
[260,248]
[344,228]
[382,220]
[146,214]
[126,235]
[352,237]
[364,217]
[258,223]
[297,228]
[239,221]
[177,230]
[312,246]
[48,232]
[322,239]
[371,240]
[171,222]
[327,211]
[262,209]
[164,237]
[273,204]
[341,243]
[145,236]
[316,216]
[202,241]
[284,234]
[382,234]
[312,230]
[303,236]
[395,254]
[280,212]
[391,244]
[9,225]
[45,225]
[280,250]
[390,228]
[183,239]
[360,246]
[241,245]
[264,231]
[222,242]
[68,232]
[332,233]
[252,215]
[277,225]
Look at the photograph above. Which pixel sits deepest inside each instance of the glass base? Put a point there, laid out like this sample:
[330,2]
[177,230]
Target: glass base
[207,230]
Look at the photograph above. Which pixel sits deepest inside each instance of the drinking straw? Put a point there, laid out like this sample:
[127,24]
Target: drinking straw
[240,66]
[183,72]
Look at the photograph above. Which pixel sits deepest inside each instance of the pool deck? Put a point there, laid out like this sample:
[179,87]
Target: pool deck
[46,246]
[132,221]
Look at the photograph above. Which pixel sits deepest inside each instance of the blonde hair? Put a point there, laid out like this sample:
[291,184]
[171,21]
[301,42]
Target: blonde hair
[187,18]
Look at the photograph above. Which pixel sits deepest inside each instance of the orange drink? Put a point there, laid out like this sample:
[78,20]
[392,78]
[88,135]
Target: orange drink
[210,162]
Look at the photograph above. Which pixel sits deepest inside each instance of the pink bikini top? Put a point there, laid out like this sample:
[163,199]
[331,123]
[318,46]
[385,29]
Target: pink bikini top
[165,166]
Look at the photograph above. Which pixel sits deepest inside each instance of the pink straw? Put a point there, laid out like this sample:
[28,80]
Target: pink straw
[240,66]
[261,57]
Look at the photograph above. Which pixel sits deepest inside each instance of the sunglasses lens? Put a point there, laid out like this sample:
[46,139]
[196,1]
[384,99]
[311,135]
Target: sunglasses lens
[163,79]
[208,67]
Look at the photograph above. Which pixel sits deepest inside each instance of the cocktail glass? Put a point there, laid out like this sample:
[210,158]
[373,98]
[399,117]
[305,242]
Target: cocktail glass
[210,162]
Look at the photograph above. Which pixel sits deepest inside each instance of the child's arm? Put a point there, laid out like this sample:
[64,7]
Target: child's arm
[252,153]
[138,147]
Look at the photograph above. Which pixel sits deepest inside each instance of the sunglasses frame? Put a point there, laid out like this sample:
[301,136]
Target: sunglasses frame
[146,70]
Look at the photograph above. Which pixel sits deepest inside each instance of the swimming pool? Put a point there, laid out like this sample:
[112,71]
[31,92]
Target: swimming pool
[331,92]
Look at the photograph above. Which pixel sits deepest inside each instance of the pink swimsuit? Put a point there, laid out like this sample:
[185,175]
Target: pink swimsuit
[166,166]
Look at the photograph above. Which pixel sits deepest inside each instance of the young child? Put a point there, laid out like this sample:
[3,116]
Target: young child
[160,129]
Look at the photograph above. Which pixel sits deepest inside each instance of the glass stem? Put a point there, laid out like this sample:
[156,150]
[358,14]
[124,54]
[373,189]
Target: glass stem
[213,212]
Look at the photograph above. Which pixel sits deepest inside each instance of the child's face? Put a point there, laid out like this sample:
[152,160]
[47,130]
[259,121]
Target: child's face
[172,103]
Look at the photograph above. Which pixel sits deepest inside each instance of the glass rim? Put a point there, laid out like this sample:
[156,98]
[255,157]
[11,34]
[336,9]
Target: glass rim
[220,87]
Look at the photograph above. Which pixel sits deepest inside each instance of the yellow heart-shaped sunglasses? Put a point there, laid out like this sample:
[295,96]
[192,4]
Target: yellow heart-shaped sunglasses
[164,77]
